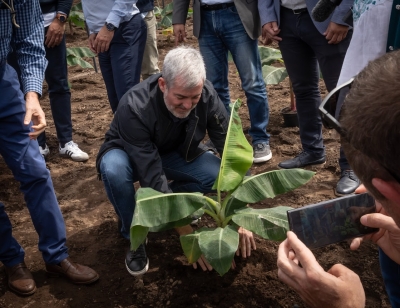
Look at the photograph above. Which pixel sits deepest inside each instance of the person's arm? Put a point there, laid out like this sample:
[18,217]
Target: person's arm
[55,32]
[339,287]
[269,21]
[28,41]
[337,28]
[179,15]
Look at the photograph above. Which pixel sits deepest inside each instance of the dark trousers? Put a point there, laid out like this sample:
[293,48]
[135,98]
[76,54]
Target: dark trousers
[56,76]
[391,277]
[122,63]
[305,50]
[23,158]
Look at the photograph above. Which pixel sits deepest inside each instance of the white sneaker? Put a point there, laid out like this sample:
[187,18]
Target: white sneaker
[72,150]
[45,151]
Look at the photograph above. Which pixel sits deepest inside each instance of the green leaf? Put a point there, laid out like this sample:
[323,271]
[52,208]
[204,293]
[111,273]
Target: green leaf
[166,21]
[76,7]
[238,155]
[154,209]
[190,245]
[73,60]
[157,11]
[232,205]
[268,223]
[80,52]
[273,75]
[271,184]
[269,55]
[138,235]
[170,225]
[219,246]
[77,19]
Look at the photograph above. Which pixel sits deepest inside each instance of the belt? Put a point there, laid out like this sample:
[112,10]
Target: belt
[296,12]
[214,7]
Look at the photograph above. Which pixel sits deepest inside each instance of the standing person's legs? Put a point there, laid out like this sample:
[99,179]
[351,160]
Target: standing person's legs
[22,156]
[301,64]
[108,77]
[150,56]
[391,277]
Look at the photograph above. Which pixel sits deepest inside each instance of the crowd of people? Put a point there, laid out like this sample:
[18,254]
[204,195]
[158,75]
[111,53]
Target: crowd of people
[156,136]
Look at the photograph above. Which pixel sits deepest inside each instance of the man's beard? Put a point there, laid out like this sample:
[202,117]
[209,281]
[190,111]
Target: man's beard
[173,110]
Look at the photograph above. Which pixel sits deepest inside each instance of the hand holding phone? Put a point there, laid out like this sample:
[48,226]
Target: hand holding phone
[331,221]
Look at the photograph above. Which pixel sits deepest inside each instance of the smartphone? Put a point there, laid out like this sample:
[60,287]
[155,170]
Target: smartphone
[331,221]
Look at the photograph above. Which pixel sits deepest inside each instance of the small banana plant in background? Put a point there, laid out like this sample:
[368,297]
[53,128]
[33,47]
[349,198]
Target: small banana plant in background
[230,209]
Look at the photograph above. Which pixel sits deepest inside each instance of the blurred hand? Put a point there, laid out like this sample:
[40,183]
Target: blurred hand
[205,266]
[92,37]
[179,33]
[246,243]
[102,40]
[298,268]
[35,114]
[335,33]
[55,33]
[270,33]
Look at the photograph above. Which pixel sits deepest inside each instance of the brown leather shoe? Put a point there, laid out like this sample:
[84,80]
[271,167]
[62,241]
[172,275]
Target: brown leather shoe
[77,273]
[20,279]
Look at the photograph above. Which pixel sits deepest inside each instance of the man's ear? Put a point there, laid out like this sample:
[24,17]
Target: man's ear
[162,84]
[389,189]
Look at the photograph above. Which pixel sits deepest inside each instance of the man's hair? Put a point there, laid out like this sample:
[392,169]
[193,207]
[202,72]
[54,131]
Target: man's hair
[185,64]
[371,120]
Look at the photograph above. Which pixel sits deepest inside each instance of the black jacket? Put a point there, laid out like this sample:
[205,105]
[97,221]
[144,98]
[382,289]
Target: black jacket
[49,6]
[141,128]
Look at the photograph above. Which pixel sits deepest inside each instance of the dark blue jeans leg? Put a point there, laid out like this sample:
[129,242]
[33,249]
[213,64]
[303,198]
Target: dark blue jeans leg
[118,176]
[122,63]
[391,277]
[23,158]
[56,76]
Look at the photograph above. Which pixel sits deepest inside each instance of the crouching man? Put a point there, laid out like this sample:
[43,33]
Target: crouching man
[155,138]
[370,129]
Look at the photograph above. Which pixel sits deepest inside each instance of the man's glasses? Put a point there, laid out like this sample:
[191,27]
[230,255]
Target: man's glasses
[330,109]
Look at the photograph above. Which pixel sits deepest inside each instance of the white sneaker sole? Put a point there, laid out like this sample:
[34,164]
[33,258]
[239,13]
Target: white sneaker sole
[262,159]
[143,271]
[77,159]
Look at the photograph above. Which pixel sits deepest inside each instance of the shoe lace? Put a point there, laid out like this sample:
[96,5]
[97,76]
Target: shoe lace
[259,146]
[350,174]
[139,253]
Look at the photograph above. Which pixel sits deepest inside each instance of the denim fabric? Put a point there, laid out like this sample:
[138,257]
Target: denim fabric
[118,176]
[391,276]
[122,63]
[222,31]
[303,49]
[23,158]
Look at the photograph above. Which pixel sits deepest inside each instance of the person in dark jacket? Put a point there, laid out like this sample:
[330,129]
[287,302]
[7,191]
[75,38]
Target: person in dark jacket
[155,138]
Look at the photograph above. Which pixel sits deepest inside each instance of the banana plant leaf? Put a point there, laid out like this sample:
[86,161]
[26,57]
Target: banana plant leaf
[219,246]
[237,157]
[269,55]
[233,205]
[273,75]
[73,60]
[271,184]
[270,223]
[190,244]
[138,235]
[80,52]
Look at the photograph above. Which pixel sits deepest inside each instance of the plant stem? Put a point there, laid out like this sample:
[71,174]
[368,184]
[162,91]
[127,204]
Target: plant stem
[215,216]
[226,221]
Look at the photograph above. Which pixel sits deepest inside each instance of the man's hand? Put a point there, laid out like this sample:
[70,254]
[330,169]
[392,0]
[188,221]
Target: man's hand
[179,33]
[270,33]
[102,40]
[35,114]
[388,236]
[92,37]
[246,243]
[335,33]
[54,34]
[339,287]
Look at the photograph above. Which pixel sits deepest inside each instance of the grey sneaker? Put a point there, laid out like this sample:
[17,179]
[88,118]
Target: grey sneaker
[261,152]
[44,151]
[72,150]
[136,261]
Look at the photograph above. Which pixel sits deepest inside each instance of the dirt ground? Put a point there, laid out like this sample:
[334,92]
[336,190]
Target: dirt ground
[170,282]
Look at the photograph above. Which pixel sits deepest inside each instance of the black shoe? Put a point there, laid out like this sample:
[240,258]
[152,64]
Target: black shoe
[302,160]
[136,261]
[347,184]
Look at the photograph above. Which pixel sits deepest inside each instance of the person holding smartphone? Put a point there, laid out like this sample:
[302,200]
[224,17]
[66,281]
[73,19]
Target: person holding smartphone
[370,130]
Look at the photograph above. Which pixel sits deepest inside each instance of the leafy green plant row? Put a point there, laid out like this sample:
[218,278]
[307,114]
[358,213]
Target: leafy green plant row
[156,211]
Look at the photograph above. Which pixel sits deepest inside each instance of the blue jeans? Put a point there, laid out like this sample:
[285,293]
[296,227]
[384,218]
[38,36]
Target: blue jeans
[122,62]
[56,76]
[303,48]
[222,31]
[23,158]
[118,175]
[391,276]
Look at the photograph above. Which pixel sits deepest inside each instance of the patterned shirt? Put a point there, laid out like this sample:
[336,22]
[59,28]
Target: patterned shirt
[28,41]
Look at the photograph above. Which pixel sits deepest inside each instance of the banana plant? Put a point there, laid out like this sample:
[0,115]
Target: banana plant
[156,211]
[75,56]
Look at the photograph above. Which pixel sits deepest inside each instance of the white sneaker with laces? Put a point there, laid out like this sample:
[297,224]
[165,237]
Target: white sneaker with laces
[72,150]
[45,151]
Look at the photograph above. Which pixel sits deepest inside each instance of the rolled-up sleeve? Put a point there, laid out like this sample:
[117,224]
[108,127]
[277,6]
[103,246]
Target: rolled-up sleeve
[122,11]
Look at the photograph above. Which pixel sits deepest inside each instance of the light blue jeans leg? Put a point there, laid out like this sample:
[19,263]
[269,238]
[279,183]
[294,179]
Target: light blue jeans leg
[222,30]
[118,176]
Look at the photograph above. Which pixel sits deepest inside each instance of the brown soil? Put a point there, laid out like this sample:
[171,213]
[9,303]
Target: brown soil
[92,225]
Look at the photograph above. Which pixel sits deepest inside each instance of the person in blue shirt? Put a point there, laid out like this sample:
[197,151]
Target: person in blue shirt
[21,121]
[118,35]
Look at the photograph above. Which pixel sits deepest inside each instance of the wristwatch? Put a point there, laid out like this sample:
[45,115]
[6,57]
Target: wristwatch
[110,27]
[61,17]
